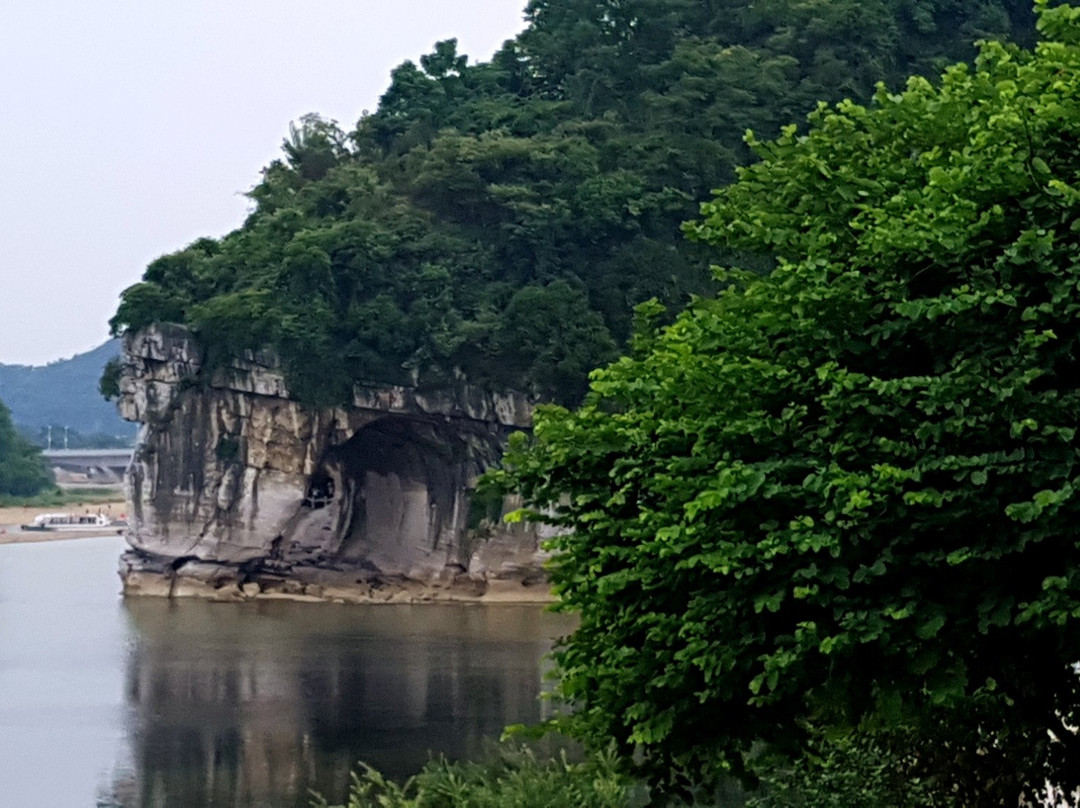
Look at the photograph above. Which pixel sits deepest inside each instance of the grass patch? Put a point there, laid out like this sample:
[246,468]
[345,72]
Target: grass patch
[517,777]
[61,497]
[513,778]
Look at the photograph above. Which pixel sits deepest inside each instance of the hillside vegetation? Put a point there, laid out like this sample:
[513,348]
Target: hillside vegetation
[65,394]
[22,469]
[499,221]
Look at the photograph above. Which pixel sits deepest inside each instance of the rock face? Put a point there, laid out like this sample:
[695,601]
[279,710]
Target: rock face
[238,491]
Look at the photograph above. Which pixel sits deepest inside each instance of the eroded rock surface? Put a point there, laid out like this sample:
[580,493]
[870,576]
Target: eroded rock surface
[237,491]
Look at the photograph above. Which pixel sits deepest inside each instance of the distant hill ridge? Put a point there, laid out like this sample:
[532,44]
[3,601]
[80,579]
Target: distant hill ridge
[63,393]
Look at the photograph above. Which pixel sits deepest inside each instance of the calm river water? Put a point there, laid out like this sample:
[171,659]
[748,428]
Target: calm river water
[149,703]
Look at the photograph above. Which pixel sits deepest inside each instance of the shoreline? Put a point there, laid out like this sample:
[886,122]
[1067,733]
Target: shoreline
[340,589]
[138,585]
[12,519]
[222,583]
[145,575]
[12,534]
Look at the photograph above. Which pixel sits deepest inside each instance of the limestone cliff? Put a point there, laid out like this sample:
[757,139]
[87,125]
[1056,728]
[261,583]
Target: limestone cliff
[236,490]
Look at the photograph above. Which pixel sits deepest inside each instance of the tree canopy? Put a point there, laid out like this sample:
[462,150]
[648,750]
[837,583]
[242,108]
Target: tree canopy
[845,493]
[499,220]
[22,470]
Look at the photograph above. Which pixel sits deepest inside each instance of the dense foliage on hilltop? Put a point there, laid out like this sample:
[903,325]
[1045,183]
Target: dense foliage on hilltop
[846,494]
[501,219]
[22,469]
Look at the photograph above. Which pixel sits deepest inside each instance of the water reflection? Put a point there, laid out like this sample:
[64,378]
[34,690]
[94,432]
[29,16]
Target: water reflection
[147,704]
[255,704]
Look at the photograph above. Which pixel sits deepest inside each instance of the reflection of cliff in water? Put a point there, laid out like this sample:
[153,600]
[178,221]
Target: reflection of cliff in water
[255,704]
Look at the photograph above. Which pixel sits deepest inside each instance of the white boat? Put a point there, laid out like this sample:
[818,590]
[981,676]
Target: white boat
[80,522]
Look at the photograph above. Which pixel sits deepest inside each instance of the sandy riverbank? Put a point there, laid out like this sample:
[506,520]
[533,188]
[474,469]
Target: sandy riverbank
[12,518]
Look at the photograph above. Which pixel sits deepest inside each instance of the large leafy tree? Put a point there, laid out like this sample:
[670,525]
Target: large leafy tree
[846,494]
[22,470]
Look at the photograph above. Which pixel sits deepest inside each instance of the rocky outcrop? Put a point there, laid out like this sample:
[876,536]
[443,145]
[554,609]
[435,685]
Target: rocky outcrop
[238,491]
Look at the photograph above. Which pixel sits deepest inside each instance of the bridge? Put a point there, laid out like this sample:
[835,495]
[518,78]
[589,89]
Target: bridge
[101,465]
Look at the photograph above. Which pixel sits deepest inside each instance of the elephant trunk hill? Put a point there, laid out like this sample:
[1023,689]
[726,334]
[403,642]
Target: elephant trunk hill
[237,491]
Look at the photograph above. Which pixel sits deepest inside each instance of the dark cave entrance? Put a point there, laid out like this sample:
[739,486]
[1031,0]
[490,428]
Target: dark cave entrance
[401,482]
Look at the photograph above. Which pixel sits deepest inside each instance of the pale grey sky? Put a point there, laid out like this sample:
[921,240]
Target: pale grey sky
[132,127]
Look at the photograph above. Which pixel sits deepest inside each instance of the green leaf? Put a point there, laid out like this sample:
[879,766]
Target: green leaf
[931,627]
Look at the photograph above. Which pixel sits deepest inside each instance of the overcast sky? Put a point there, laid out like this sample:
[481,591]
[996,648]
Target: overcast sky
[132,127]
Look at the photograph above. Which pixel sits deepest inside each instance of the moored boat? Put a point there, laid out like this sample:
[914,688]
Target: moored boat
[73,522]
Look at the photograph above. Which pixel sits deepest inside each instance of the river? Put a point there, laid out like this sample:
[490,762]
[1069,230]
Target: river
[148,703]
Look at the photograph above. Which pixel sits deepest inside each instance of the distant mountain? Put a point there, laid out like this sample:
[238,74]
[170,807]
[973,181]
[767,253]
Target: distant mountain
[63,394]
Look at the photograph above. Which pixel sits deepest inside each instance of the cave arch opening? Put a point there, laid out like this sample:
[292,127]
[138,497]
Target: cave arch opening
[401,483]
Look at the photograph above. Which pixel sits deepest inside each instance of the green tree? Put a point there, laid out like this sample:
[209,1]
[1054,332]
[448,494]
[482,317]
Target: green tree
[551,332]
[22,470]
[844,495]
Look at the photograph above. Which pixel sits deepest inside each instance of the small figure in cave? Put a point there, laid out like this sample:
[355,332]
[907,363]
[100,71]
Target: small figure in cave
[320,492]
